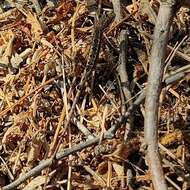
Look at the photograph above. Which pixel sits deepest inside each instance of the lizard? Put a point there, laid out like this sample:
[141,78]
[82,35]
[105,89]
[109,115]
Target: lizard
[101,21]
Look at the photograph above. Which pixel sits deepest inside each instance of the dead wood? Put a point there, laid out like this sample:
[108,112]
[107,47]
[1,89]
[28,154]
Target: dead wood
[161,32]
[69,89]
[93,140]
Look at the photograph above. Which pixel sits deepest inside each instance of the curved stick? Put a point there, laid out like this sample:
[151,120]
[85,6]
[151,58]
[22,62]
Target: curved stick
[165,16]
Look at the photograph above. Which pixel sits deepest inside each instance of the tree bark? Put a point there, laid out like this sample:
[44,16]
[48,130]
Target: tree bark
[167,10]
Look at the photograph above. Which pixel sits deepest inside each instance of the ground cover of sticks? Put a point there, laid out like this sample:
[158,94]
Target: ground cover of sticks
[95,94]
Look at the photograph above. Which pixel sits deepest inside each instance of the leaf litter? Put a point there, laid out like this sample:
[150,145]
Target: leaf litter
[44,48]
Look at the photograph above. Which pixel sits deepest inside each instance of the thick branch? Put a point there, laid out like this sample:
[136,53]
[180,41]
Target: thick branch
[164,19]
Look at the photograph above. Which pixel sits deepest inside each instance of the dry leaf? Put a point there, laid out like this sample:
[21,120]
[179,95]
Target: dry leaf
[146,9]
[38,142]
[12,136]
[172,138]
[102,167]
[118,169]
[36,27]
[123,151]
[181,149]
[4,59]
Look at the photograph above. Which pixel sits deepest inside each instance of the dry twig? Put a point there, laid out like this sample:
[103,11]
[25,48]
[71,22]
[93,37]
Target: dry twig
[107,135]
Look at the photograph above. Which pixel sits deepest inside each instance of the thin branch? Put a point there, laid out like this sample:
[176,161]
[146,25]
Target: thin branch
[46,163]
[178,53]
[107,135]
[82,128]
